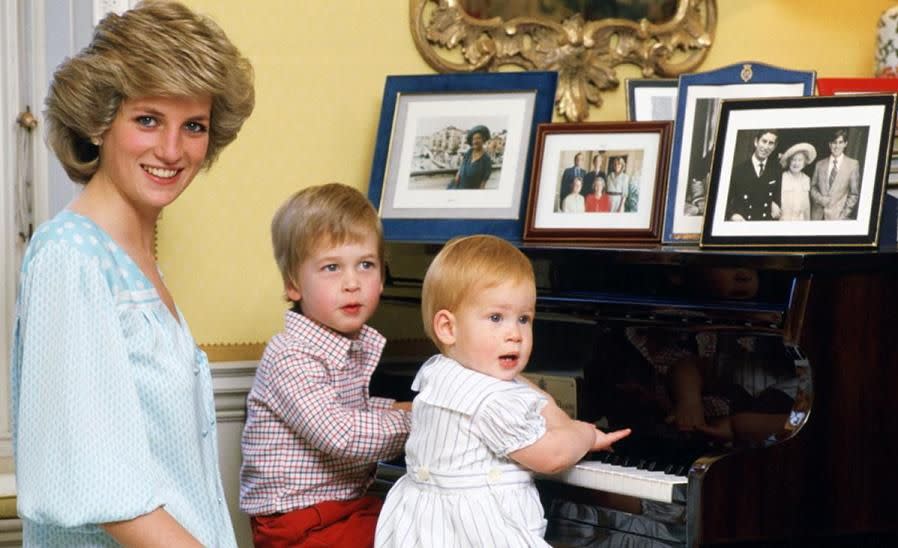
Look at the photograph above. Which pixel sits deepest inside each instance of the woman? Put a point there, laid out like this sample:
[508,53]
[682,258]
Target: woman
[113,413]
[796,185]
[476,164]
[618,184]
[598,201]
[573,202]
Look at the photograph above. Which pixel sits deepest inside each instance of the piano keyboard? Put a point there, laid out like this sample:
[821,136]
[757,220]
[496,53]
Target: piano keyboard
[624,480]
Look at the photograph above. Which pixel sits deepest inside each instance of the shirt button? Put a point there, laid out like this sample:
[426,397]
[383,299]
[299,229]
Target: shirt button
[766,204]
[423,474]
[494,475]
[196,370]
[356,346]
[205,432]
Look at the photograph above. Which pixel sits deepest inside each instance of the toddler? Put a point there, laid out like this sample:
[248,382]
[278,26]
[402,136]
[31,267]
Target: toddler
[479,430]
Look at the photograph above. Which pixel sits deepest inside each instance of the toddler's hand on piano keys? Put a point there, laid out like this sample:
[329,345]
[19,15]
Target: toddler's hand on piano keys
[604,441]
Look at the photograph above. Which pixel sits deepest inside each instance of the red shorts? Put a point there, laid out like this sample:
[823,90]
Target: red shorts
[337,524]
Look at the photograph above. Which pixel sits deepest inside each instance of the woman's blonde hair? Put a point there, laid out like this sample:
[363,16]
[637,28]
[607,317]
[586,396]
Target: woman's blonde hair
[156,49]
[466,265]
[324,215]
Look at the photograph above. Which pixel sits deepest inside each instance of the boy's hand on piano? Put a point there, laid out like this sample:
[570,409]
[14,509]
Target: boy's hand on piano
[402,405]
[604,441]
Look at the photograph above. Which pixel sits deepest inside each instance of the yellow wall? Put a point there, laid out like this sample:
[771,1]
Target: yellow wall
[320,68]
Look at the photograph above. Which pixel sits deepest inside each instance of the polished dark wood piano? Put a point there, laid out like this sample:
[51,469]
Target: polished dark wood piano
[796,355]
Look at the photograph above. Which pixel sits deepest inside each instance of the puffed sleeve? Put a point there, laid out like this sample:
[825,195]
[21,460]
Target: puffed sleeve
[509,420]
[82,453]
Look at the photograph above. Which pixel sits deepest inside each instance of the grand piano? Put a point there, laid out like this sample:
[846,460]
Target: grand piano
[762,390]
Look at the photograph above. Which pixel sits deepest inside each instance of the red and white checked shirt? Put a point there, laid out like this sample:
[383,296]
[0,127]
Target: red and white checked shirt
[312,432]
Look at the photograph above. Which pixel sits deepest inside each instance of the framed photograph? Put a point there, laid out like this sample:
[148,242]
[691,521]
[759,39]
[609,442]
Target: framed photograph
[651,99]
[599,182]
[800,172]
[853,86]
[453,153]
[698,105]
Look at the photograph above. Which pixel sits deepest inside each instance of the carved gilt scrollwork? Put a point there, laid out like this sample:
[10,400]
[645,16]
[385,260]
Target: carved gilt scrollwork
[584,53]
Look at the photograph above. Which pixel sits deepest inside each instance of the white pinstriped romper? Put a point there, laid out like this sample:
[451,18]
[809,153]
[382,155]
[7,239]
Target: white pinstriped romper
[460,489]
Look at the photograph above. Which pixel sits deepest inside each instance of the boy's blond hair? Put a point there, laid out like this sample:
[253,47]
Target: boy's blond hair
[324,215]
[466,265]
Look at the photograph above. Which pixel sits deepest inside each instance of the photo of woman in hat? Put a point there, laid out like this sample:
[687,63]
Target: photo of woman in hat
[476,164]
[796,184]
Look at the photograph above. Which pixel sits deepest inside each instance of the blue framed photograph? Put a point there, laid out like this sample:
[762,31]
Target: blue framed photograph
[699,98]
[453,153]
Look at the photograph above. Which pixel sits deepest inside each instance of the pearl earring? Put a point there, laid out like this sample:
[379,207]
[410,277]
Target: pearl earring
[96,141]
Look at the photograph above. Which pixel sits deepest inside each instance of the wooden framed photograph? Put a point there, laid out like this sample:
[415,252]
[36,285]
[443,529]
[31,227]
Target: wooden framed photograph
[698,105]
[800,172]
[599,182]
[651,99]
[453,153]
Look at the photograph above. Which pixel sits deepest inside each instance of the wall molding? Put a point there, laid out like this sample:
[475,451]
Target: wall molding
[231,382]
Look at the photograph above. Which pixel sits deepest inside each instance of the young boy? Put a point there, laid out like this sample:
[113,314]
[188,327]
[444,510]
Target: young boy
[313,435]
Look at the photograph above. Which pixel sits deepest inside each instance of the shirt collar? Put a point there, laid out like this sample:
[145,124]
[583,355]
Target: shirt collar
[335,344]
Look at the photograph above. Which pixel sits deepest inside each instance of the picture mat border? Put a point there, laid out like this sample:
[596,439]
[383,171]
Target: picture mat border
[442,229]
[649,234]
[875,162]
[729,76]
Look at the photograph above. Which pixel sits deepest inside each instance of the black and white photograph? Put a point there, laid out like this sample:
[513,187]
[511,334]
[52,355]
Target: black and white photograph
[597,181]
[699,98]
[814,175]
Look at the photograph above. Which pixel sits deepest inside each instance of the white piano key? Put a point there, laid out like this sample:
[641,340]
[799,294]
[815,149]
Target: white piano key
[623,480]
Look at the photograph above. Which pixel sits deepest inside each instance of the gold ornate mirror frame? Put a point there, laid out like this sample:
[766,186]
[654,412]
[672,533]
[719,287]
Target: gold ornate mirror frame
[584,53]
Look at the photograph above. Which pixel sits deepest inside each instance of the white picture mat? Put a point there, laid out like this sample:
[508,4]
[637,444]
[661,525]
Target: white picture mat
[555,144]
[413,111]
[687,224]
[871,116]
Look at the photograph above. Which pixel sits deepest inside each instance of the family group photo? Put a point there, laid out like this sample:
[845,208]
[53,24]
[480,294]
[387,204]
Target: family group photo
[797,174]
[601,181]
